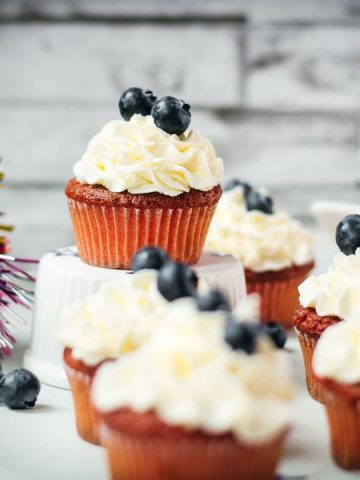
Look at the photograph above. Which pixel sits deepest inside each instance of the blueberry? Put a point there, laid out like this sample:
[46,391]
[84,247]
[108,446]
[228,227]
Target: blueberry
[236,182]
[136,100]
[348,234]
[258,201]
[276,332]
[20,389]
[241,335]
[213,300]
[176,280]
[171,115]
[149,257]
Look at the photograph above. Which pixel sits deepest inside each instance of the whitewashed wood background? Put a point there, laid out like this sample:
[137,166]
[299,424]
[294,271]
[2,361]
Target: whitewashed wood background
[275,85]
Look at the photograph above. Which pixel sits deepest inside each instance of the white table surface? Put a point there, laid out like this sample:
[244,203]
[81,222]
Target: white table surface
[42,443]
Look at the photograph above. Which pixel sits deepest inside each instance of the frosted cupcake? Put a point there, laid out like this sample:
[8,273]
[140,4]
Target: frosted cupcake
[117,319]
[147,179]
[105,326]
[336,364]
[328,298]
[206,397]
[276,251]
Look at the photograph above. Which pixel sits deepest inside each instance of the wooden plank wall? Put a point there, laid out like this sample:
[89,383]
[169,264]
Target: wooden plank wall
[275,85]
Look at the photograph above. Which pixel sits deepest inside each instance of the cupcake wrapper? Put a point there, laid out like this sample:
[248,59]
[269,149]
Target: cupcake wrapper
[109,236]
[344,424]
[86,417]
[137,457]
[279,299]
[308,344]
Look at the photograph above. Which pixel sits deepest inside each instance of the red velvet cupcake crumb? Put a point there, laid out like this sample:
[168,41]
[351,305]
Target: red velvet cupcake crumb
[306,320]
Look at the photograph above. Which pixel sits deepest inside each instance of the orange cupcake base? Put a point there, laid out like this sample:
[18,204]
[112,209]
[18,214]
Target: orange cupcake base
[308,343]
[278,292]
[80,382]
[110,227]
[342,404]
[161,452]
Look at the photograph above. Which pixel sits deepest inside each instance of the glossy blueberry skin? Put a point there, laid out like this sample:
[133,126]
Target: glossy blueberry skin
[171,115]
[19,389]
[276,332]
[212,301]
[241,335]
[257,201]
[149,257]
[176,280]
[348,234]
[236,182]
[136,100]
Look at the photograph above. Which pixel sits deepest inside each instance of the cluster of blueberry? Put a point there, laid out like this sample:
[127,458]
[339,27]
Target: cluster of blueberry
[254,199]
[19,389]
[348,234]
[177,280]
[169,113]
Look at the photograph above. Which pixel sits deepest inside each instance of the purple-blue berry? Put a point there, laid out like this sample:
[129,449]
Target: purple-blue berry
[171,115]
[136,100]
[19,389]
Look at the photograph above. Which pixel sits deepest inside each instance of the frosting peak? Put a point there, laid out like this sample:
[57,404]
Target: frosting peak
[263,242]
[335,292]
[139,157]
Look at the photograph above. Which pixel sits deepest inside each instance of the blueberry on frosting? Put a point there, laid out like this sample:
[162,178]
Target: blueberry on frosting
[149,257]
[19,389]
[136,100]
[348,234]
[212,301]
[241,335]
[171,115]
[276,332]
[236,182]
[176,280]
[257,201]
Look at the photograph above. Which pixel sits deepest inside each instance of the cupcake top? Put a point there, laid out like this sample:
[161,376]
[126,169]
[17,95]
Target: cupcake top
[202,370]
[337,353]
[114,320]
[246,226]
[150,150]
[335,292]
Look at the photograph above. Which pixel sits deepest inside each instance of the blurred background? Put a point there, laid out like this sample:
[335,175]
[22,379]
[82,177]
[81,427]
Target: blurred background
[274,84]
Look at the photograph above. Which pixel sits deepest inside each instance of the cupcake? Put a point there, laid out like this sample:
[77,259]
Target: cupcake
[336,365]
[328,298]
[116,320]
[206,397]
[276,251]
[103,327]
[147,179]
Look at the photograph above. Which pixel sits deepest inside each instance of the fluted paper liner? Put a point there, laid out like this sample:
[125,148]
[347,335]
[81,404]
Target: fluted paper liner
[110,236]
[164,457]
[308,343]
[279,298]
[86,417]
[342,404]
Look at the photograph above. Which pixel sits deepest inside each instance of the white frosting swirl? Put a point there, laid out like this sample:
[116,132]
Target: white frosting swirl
[263,242]
[191,377]
[115,320]
[139,157]
[337,353]
[337,291]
